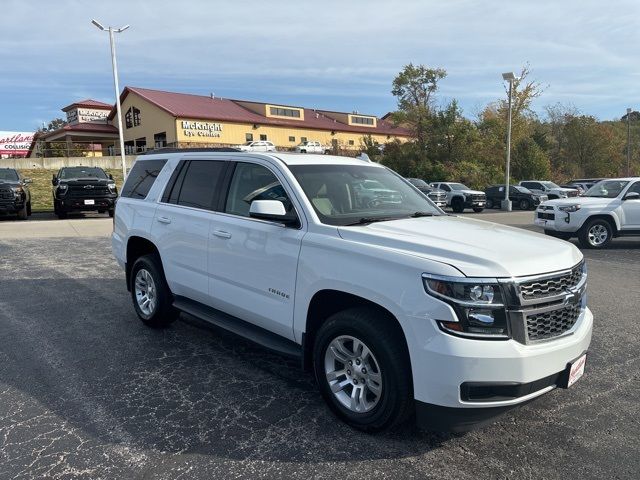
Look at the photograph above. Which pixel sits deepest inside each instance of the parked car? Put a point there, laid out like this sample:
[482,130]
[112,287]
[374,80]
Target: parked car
[460,196]
[15,197]
[259,146]
[576,186]
[398,308]
[82,189]
[371,193]
[611,208]
[312,147]
[437,196]
[520,197]
[550,189]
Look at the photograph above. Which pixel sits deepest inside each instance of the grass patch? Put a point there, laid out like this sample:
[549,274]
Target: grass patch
[41,188]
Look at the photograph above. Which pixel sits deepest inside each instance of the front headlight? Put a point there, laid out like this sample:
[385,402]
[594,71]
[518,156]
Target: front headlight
[478,304]
[569,208]
[17,191]
[112,188]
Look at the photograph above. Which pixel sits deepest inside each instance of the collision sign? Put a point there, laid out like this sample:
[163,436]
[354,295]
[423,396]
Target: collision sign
[15,143]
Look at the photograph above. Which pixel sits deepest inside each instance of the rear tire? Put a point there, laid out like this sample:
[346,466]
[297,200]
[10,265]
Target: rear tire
[61,214]
[596,234]
[457,204]
[370,400]
[152,298]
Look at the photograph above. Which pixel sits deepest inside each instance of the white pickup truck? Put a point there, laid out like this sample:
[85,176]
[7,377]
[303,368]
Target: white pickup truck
[311,147]
[611,208]
[396,307]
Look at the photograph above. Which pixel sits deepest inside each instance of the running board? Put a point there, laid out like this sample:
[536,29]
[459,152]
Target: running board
[235,325]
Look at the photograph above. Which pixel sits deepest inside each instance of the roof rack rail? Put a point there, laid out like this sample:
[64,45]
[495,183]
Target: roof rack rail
[189,150]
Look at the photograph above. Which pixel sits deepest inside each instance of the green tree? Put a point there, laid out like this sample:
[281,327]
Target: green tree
[414,88]
[529,160]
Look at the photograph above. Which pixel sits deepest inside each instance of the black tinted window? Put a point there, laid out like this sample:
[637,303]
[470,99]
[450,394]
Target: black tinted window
[201,182]
[141,178]
[253,182]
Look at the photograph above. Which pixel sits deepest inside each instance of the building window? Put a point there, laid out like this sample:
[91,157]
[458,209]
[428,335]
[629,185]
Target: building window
[136,117]
[248,137]
[303,139]
[351,142]
[263,137]
[129,147]
[128,119]
[362,120]
[141,144]
[132,117]
[292,139]
[285,112]
[160,140]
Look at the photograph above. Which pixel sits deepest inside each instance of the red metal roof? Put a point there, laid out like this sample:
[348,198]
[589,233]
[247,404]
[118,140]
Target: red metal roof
[182,105]
[89,103]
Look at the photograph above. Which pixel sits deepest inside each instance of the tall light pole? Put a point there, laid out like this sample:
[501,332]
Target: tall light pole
[628,142]
[506,203]
[116,87]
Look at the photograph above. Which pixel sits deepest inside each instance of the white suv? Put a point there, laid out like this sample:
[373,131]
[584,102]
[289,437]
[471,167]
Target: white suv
[550,189]
[611,208]
[395,306]
[259,146]
[311,147]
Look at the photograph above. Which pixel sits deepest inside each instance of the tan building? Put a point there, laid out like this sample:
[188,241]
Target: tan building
[153,118]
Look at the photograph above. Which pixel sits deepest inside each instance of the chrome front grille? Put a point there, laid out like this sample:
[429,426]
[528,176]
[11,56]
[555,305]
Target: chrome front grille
[551,324]
[544,307]
[551,286]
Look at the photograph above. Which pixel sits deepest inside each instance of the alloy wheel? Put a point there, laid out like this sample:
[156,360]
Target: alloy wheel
[353,374]
[598,234]
[145,290]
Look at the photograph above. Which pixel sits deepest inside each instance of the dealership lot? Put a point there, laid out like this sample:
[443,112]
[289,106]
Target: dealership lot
[86,391]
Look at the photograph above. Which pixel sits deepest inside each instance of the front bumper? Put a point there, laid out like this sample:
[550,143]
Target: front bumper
[445,365]
[551,218]
[11,207]
[87,204]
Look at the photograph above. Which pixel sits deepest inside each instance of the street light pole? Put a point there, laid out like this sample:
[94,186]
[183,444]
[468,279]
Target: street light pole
[628,142]
[114,65]
[506,203]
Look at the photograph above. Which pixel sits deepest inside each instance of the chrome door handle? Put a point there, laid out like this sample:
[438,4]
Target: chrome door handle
[166,220]
[221,234]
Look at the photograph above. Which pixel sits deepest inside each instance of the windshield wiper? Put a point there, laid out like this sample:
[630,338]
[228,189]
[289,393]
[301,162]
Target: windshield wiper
[366,220]
[422,214]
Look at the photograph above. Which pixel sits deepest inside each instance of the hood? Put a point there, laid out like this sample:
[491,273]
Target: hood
[564,189]
[587,201]
[474,192]
[85,181]
[475,247]
[10,183]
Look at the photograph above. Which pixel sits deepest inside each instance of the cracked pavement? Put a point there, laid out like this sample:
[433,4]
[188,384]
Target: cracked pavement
[87,391]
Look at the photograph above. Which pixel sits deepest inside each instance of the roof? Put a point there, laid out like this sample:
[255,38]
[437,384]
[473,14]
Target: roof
[286,157]
[88,103]
[183,105]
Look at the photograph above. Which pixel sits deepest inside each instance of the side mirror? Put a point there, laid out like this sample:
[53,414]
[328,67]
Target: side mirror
[272,210]
[27,181]
[632,196]
[54,181]
[110,177]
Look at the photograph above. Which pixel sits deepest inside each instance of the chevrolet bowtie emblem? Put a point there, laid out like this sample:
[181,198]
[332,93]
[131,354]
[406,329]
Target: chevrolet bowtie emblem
[88,186]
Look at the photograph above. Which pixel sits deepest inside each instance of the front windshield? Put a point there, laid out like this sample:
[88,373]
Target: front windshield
[549,184]
[8,174]
[458,186]
[606,189]
[358,194]
[82,172]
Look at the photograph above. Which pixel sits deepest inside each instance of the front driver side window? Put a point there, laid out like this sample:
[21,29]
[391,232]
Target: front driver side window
[634,188]
[253,182]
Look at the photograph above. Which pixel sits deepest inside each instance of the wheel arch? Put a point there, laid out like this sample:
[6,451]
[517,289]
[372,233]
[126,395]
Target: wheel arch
[613,221]
[137,246]
[327,302]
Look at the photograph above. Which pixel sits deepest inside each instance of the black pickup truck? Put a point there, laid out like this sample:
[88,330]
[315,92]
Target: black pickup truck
[81,189]
[15,198]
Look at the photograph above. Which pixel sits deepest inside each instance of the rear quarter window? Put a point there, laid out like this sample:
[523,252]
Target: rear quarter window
[141,178]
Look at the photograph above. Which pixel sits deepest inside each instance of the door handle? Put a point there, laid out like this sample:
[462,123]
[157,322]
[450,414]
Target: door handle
[221,234]
[166,220]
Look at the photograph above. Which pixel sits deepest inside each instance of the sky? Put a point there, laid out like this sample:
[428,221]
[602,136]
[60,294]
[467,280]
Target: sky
[332,55]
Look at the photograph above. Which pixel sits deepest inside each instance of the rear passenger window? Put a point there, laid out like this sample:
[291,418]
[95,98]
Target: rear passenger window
[141,178]
[200,185]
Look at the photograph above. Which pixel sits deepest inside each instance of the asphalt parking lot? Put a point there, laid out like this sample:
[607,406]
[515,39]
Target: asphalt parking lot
[86,391]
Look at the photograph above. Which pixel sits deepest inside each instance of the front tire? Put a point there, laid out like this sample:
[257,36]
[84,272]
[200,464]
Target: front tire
[363,370]
[23,213]
[596,234]
[489,203]
[457,205]
[524,204]
[152,298]
[478,209]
